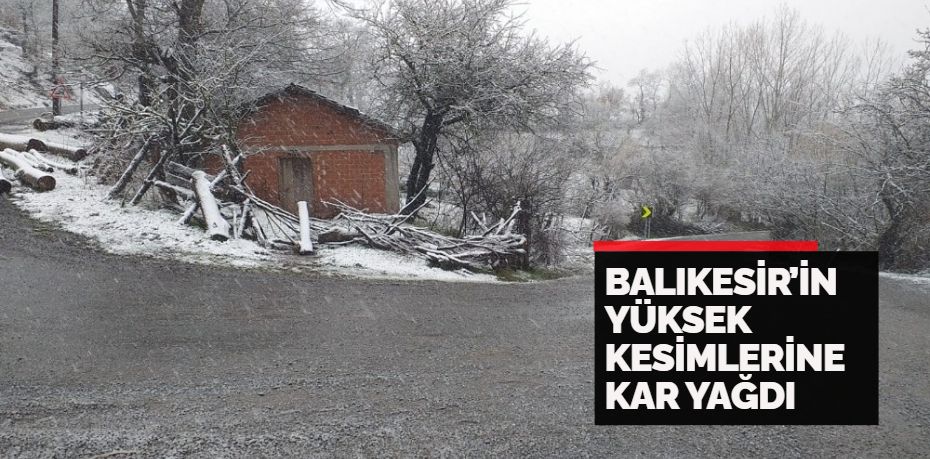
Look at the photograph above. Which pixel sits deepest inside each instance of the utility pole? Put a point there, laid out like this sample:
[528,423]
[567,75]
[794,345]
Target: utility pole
[56,98]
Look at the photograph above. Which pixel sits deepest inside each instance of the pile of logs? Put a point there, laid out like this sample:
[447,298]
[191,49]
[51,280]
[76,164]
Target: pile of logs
[31,168]
[227,208]
[20,143]
[25,158]
[225,205]
[496,246]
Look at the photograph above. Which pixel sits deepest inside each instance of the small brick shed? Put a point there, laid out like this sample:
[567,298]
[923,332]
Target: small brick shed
[301,145]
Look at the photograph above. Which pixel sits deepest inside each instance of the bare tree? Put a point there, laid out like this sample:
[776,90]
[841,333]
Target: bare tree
[196,64]
[494,171]
[452,63]
[645,95]
[892,141]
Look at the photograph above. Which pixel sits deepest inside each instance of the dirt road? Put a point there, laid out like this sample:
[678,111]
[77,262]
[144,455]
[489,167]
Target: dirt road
[102,354]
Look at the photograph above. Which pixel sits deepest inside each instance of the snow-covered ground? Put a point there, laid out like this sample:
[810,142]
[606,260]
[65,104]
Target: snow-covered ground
[73,137]
[17,88]
[77,204]
[24,85]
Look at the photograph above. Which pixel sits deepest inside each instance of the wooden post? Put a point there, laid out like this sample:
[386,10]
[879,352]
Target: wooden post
[306,247]
[217,226]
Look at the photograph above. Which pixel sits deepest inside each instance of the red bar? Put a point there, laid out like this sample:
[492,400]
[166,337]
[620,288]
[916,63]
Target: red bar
[705,246]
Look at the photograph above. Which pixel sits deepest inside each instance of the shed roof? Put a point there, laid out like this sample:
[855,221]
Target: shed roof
[298,90]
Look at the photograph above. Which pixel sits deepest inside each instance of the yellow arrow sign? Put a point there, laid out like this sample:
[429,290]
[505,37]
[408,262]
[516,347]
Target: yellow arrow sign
[647,212]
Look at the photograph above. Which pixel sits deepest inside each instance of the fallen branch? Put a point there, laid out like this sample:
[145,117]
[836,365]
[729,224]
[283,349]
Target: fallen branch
[130,170]
[492,249]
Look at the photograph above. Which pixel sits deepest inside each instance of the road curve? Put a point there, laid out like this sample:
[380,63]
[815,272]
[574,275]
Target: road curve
[102,354]
[26,115]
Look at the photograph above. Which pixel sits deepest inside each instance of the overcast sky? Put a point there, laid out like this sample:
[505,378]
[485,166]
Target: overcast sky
[624,36]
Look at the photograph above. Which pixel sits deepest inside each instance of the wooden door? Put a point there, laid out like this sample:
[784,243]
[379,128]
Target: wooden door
[295,182]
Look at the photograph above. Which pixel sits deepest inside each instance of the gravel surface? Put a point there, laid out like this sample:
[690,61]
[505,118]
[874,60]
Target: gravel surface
[126,357]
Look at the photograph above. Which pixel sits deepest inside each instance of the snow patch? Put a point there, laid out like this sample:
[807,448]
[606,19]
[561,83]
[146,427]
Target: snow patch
[18,86]
[78,204]
[364,261]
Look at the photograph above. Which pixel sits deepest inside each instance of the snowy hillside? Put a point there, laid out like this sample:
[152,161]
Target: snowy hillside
[20,84]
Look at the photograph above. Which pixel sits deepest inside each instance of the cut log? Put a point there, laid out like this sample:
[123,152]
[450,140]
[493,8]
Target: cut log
[36,144]
[36,162]
[71,170]
[217,226]
[43,125]
[72,153]
[306,247]
[25,173]
[14,142]
[21,143]
[196,205]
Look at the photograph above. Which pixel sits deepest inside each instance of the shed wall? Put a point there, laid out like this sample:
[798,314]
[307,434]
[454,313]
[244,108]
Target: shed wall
[351,162]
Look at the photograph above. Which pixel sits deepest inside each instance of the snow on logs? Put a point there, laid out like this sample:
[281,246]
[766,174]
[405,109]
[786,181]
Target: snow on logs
[42,125]
[15,142]
[20,143]
[70,170]
[217,227]
[72,153]
[25,172]
[35,162]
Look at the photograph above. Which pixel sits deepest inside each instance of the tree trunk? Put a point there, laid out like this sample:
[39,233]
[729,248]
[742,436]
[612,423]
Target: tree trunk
[27,42]
[889,241]
[56,58]
[145,90]
[425,147]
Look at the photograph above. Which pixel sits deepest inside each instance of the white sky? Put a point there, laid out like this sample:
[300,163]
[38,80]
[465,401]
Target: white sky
[624,36]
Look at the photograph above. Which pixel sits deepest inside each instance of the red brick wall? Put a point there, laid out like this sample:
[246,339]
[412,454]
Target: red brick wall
[353,176]
[303,120]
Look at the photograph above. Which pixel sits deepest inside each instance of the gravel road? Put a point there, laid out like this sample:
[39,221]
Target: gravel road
[125,357]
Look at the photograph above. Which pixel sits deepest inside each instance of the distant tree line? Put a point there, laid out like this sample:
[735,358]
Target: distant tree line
[772,125]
